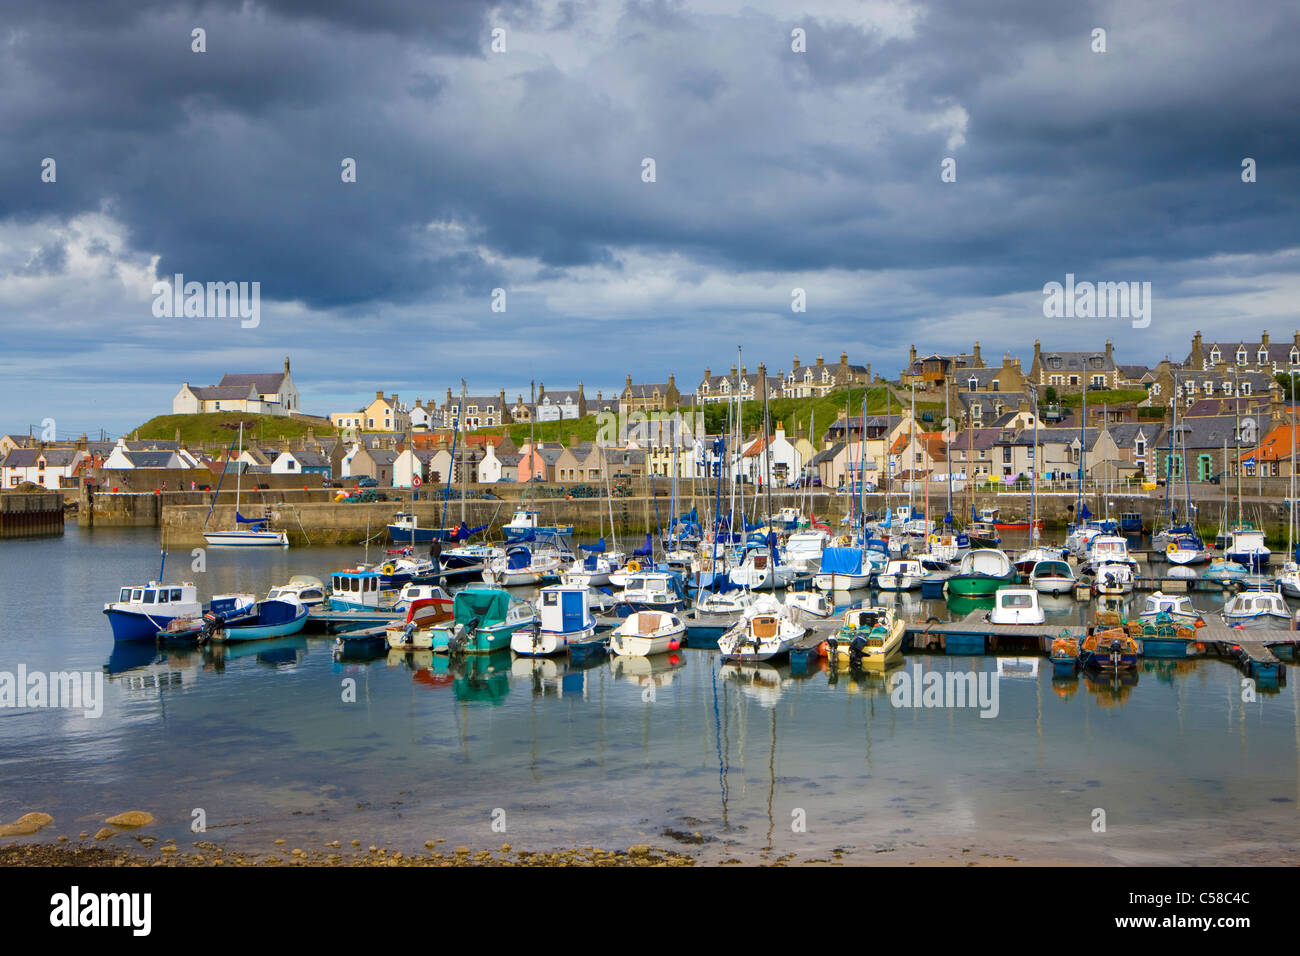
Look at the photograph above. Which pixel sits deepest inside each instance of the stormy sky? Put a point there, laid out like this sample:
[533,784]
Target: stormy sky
[523,170]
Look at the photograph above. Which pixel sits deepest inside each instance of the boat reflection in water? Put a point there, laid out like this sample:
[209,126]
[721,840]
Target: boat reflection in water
[658,670]
[144,671]
[274,652]
[550,676]
[1111,687]
[481,678]
[759,681]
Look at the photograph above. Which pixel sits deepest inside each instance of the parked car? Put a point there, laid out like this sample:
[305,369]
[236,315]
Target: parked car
[806,481]
[368,482]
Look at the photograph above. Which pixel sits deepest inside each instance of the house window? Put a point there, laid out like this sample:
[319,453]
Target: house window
[1054,363]
[1245,388]
[1209,388]
[1214,356]
[1295,356]
[1074,380]
[1099,380]
[1155,389]
[996,385]
[973,384]
[1055,380]
[1006,453]
[1141,448]
[1095,361]
[1227,388]
[1263,356]
[1241,356]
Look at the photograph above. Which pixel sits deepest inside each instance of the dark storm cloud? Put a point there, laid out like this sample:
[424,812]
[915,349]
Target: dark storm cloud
[475,168]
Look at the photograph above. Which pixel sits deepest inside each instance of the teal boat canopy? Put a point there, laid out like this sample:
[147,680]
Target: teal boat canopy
[486,604]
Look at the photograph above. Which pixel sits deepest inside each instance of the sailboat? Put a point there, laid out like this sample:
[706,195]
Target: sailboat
[258,532]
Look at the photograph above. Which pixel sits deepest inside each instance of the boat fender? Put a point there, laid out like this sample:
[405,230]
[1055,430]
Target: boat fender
[389,568]
[633,566]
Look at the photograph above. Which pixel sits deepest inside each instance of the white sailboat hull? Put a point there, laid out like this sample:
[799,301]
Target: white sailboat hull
[228,539]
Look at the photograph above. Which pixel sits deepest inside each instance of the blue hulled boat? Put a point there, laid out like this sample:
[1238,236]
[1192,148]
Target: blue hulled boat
[267,619]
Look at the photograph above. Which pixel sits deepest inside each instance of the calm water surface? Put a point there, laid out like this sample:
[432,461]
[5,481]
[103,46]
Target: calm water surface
[614,754]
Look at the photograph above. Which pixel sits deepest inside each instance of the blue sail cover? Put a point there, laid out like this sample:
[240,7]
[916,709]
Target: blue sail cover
[645,550]
[242,520]
[841,561]
[518,558]
[1084,513]
[597,548]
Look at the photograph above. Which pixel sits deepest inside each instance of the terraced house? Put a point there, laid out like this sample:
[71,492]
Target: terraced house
[725,388]
[1073,372]
[810,381]
[1265,356]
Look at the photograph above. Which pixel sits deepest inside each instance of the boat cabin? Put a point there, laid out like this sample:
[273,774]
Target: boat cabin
[1016,606]
[564,609]
[159,597]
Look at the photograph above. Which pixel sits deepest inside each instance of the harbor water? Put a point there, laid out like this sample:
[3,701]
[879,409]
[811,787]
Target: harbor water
[1177,763]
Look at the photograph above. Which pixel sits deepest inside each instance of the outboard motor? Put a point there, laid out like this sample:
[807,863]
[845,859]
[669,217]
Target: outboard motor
[856,647]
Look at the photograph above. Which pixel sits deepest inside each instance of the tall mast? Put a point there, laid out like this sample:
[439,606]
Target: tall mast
[947,449]
[239,472]
[1236,427]
[911,435]
[767,469]
[1033,488]
[462,452]
[1169,463]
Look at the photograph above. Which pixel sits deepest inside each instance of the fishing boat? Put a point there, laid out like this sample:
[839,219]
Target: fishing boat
[905,575]
[139,613]
[361,589]
[842,570]
[867,635]
[809,604]
[1109,649]
[405,529]
[1064,655]
[982,531]
[1016,606]
[483,621]
[1246,547]
[1052,577]
[524,526]
[982,571]
[644,633]
[651,591]
[415,631]
[1113,579]
[258,532]
[1017,524]
[564,616]
[1261,608]
[765,631]
[1186,549]
[277,618]
[786,519]
[1177,607]
[1130,522]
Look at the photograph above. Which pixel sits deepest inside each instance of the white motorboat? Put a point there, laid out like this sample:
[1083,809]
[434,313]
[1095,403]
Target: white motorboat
[1288,580]
[803,549]
[762,570]
[564,615]
[904,575]
[1267,608]
[1177,606]
[1016,606]
[1108,549]
[643,633]
[766,630]
[306,590]
[140,613]
[1113,579]
[521,566]
[809,604]
[1052,577]
[592,570]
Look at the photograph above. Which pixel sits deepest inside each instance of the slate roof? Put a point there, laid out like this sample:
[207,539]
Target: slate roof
[266,383]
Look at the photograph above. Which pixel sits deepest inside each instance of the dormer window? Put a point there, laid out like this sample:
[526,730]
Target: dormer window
[1241,356]
[1263,356]
[1245,388]
[1054,363]
[973,384]
[1227,388]
[1095,361]
[995,385]
[1209,388]
[1214,355]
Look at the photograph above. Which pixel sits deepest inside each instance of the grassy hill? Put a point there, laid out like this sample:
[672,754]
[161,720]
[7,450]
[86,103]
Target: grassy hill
[1114,396]
[794,413]
[196,429]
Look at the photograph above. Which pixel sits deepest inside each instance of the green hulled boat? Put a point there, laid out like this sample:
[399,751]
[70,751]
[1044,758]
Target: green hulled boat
[982,571]
[482,621]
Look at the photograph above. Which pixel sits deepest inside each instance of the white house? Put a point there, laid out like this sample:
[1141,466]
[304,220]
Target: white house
[40,467]
[263,393]
[782,458]
[409,463]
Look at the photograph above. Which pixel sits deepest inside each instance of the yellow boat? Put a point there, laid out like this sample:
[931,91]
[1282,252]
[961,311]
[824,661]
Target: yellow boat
[867,636]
